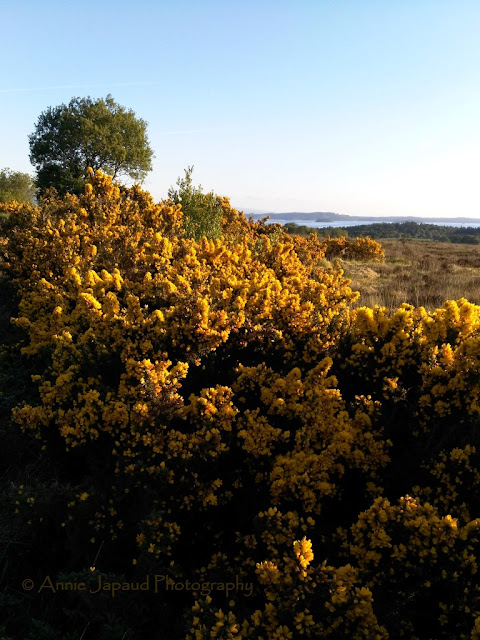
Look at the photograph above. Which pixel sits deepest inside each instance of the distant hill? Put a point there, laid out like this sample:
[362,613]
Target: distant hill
[323,216]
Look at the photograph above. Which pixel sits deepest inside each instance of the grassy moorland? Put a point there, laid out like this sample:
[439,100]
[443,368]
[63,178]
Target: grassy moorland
[422,273]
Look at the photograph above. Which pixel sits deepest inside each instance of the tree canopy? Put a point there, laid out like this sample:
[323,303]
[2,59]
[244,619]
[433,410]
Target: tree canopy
[85,133]
[15,185]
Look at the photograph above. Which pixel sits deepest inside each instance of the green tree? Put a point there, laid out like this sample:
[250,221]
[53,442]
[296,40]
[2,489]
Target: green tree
[100,134]
[15,185]
[202,211]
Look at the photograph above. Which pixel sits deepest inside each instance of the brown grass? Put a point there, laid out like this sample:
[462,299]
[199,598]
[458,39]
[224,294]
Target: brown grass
[420,273]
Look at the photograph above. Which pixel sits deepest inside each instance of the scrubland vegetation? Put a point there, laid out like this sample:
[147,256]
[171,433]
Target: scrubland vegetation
[229,411]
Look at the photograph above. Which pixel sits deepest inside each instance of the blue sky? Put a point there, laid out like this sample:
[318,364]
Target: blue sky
[360,107]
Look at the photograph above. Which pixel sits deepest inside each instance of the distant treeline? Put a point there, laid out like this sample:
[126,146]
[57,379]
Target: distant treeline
[326,232]
[405,230]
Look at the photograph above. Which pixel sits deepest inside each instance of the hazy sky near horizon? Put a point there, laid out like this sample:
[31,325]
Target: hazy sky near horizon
[363,108]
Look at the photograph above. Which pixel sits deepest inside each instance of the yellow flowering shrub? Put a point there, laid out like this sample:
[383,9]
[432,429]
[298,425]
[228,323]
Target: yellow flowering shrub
[424,361]
[455,478]
[217,413]
[325,437]
[298,600]
[410,551]
[361,249]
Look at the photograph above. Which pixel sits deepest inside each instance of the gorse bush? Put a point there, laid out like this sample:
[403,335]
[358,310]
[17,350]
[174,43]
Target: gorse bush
[337,244]
[364,249]
[213,412]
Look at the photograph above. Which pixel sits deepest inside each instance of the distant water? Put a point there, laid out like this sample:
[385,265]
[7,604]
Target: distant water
[355,223]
